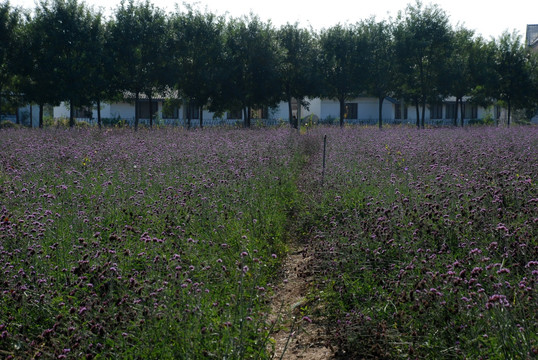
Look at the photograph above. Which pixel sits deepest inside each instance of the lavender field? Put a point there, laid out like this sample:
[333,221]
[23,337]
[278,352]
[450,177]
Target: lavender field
[159,244]
[426,243]
[168,243]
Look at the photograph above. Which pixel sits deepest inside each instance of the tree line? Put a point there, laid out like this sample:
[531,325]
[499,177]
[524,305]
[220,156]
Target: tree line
[67,51]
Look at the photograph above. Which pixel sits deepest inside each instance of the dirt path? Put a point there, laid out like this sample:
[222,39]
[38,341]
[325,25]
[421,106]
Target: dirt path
[300,336]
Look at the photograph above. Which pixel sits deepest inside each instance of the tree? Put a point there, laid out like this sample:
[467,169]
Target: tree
[101,86]
[66,28]
[380,60]
[298,70]
[513,67]
[341,64]
[249,78]
[38,65]
[422,44]
[197,52]
[459,78]
[137,39]
[9,22]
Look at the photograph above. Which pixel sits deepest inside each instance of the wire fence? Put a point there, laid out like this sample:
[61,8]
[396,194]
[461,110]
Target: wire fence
[238,123]
[194,123]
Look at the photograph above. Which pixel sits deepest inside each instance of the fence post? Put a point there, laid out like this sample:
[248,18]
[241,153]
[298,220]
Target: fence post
[324,151]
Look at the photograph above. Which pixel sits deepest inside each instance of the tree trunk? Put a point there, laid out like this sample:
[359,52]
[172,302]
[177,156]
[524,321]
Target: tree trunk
[137,105]
[418,113]
[342,111]
[41,116]
[0,101]
[509,112]
[201,117]
[290,113]
[191,109]
[188,113]
[150,111]
[462,110]
[17,116]
[456,113]
[298,117]
[99,113]
[31,116]
[381,99]
[423,113]
[71,113]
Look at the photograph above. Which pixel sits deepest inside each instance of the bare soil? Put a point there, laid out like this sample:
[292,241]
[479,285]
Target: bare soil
[299,334]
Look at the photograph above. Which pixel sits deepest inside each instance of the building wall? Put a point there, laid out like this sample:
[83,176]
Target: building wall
[61,111]
[329,109]
[367,109]
[122,110]
[314,108]
[105,111]
[281,111]
[24,115]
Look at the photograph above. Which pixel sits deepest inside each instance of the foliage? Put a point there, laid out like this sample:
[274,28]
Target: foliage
[459,77]
[380,60]
[138,36]
[250,76]
[67,52]
[196,45]
[9,23]
[298,70]
[422,45]
[7,124]
[513,68]
[65,31]
[342,65]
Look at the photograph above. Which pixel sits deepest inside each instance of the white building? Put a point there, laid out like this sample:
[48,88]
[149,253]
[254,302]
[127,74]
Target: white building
[362,110]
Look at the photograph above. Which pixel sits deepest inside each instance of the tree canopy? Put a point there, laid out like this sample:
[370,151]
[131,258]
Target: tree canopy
[66,51]
[298,68]
[343,65]
[422,43]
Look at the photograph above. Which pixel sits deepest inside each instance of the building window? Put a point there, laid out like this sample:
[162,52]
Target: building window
[259,113]
[83,113]
[352,110]
[398,112]
[235,115]
[451,110]
[436,111]
[143,109]
[170,110]
[470,111]
[498,111]
[193,111]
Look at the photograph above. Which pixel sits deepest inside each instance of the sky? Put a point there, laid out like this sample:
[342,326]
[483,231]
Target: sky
[488,19]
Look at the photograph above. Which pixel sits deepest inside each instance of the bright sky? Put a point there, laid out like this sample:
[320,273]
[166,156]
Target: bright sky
[489,19]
